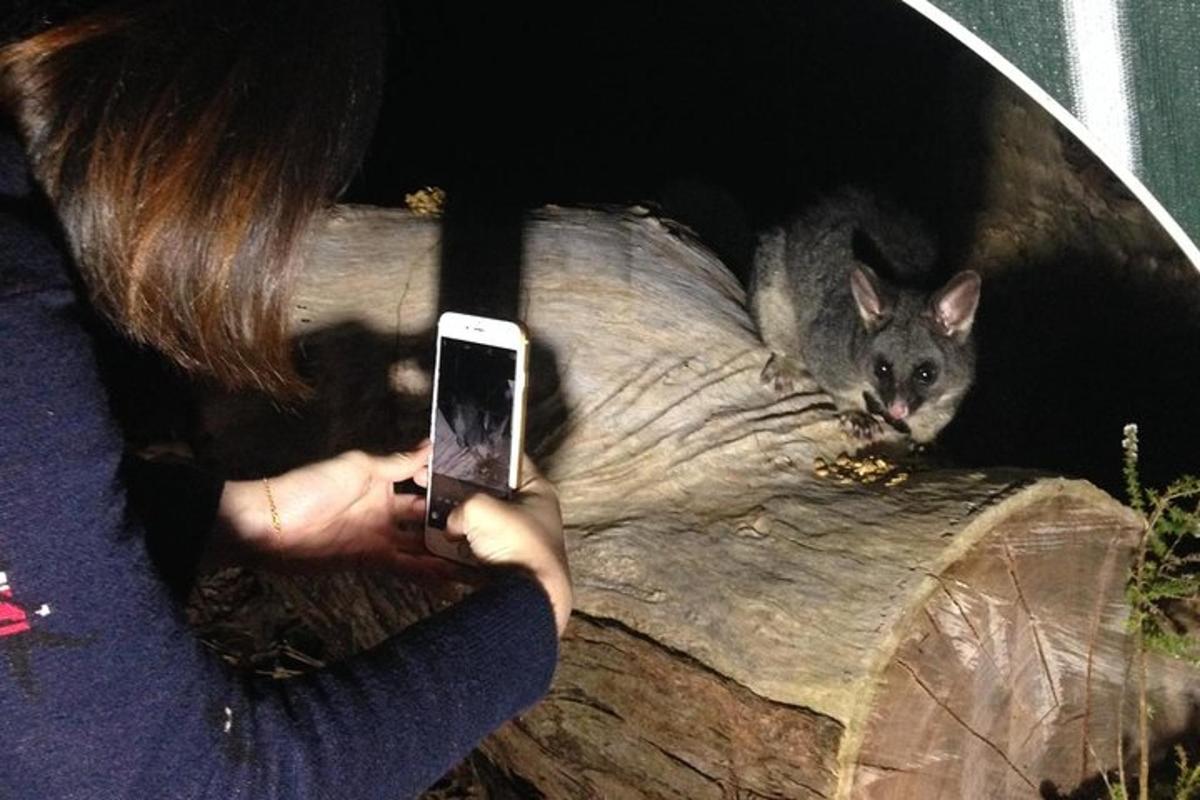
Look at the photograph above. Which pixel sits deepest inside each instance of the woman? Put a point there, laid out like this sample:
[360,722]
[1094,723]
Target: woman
[185,148]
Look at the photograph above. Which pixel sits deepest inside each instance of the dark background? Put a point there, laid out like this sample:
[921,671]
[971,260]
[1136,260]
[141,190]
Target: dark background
[728,116]
[632,102]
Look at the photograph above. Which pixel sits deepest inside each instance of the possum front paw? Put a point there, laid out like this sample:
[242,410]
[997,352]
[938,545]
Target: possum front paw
[781,374]
[860,425]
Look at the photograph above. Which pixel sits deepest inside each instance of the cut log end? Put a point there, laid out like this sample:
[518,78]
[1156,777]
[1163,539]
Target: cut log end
[1007,677]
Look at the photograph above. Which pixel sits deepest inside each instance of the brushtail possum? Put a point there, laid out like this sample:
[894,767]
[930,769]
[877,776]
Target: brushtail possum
[885,352]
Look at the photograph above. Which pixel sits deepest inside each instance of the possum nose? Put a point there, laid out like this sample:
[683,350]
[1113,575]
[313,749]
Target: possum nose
[898,409]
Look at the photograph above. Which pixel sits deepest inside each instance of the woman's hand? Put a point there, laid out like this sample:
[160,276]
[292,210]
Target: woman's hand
[341,512]
[526,532]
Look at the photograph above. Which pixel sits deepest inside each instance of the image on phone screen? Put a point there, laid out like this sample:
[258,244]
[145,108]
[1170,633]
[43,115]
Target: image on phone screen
[472,425]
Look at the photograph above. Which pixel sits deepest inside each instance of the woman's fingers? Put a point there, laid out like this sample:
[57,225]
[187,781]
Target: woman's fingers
[399,467]
[489,525]
[535,485]
[538,496]
[407,507]
[532,479]
[525,532]
[421,478]
[482,517]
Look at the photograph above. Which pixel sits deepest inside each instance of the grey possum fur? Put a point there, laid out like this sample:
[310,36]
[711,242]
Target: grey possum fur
[887,353]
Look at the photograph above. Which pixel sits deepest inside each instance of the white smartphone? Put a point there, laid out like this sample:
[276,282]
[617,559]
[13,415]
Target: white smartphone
[478,419]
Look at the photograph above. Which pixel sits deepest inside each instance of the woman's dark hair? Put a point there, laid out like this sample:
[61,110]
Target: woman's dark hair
[188,145]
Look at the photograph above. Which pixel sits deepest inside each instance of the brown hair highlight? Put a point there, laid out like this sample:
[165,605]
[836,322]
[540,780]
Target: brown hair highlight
[188,146]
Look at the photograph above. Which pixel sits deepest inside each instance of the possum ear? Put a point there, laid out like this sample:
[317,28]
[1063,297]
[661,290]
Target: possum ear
[952,308]
[868,297]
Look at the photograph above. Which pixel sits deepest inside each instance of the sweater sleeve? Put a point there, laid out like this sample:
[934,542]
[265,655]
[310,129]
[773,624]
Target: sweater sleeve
[104,689]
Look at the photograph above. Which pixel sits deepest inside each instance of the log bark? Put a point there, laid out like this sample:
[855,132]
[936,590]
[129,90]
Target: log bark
[744,627]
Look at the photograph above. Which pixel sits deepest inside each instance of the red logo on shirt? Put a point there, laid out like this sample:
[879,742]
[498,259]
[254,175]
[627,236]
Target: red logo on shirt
[13,619]
[21,634]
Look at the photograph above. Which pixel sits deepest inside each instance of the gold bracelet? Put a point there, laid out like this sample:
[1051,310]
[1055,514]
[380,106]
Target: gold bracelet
[276,525]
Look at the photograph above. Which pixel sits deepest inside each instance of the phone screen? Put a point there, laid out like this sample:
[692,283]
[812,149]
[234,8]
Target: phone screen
[473,425]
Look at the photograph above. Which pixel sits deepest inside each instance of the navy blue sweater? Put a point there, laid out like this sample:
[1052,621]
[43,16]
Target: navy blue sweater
[105,692]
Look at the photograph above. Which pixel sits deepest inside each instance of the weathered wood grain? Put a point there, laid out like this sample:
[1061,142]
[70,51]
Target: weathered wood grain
[744,629]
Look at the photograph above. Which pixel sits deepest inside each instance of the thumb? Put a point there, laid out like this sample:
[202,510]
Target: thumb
[491,527]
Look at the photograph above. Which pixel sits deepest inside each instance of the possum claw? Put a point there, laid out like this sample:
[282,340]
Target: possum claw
[860,425]
[780,374]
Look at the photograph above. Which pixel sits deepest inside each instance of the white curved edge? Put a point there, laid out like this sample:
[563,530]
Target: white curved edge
[1065,118]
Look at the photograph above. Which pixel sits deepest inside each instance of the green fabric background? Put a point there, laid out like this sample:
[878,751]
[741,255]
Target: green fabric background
[1163,58]
[1165,35]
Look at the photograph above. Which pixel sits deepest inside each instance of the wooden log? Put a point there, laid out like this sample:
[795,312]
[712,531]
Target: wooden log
[745,627]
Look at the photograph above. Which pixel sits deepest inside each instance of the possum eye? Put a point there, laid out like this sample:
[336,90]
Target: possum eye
[926,373]
[883,370]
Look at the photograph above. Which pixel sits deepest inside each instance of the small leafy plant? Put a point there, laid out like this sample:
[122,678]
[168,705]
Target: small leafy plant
[1166,570]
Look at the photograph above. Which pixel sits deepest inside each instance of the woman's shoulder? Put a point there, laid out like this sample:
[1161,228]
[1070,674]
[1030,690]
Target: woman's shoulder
[31,253]
[15,180]
[29,260]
